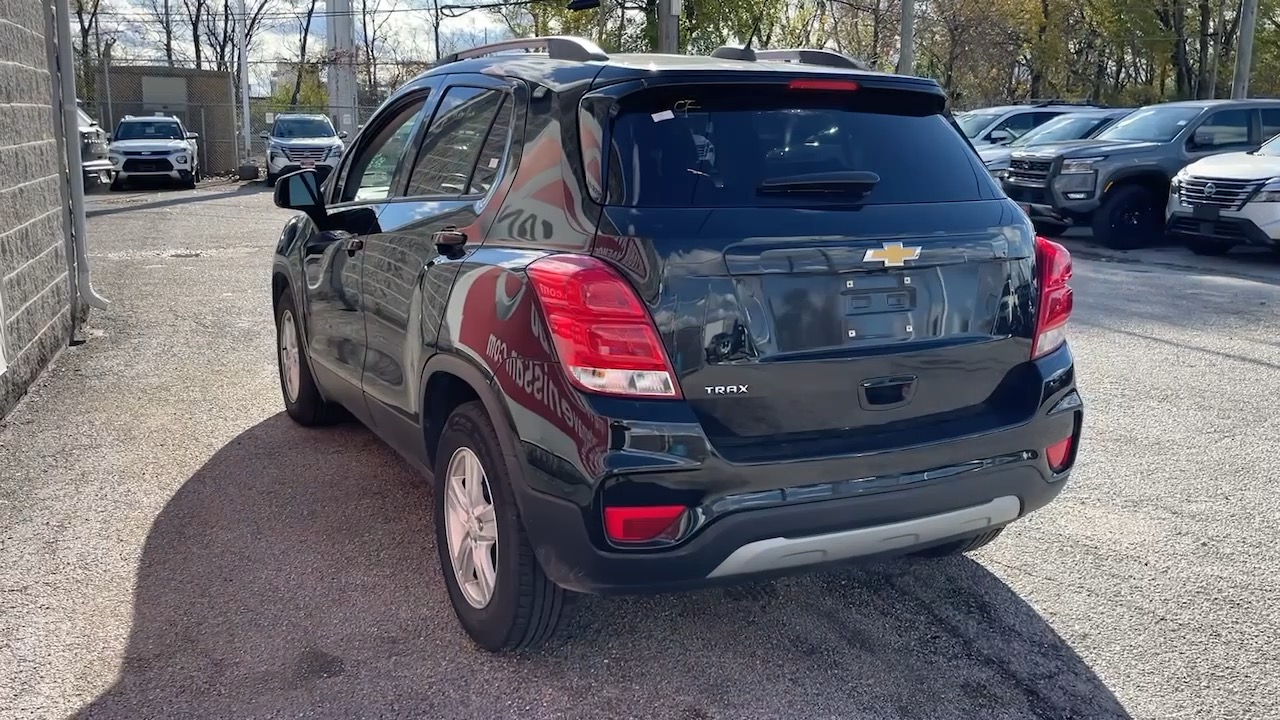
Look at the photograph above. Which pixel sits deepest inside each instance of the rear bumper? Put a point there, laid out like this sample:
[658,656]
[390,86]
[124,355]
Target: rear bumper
[775,541]
[829,511]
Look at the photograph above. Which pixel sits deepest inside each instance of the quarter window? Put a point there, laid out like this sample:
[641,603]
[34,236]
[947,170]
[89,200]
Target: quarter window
[457,139]
[1270,124]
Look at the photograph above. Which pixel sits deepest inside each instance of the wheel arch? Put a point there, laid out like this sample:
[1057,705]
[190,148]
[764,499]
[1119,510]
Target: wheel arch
[449,380]
[1152,180]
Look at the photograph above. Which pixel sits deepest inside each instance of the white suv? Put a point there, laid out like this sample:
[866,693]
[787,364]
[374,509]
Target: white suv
[1221,201]
[298,141]
[156,146]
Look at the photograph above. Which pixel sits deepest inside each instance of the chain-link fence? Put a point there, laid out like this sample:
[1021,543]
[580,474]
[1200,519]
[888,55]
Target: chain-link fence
[202,99]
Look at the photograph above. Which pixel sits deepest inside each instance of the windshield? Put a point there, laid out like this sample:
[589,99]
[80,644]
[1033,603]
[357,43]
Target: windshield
[708,146]
[83,118]
[1270,148]
[1064,127]
[310,127]
[973,123]
[148,130]
[1154,124]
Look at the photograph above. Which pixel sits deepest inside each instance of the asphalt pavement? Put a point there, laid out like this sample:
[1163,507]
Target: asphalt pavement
[172,546]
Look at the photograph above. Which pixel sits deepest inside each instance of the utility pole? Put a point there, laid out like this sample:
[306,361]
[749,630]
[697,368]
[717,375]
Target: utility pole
[669,26]
[1244,49]
[342,72]
[242,39]
[907,41]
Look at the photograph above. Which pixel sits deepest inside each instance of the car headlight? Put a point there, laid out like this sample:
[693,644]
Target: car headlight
[1075,166]
[335,151]
[1269,192]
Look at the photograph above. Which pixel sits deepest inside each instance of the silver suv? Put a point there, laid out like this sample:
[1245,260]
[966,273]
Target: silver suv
[296,141]
[999,125]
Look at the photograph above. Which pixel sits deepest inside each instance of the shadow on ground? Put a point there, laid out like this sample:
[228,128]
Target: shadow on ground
[295,575]
[125,203]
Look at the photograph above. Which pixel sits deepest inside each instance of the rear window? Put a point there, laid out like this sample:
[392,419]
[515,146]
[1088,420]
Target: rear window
[690,146]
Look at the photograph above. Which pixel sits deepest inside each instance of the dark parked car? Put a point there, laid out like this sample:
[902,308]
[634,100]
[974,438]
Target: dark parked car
[633,363]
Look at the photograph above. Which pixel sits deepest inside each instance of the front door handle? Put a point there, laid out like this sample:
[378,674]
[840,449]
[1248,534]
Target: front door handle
[353,245]
[449,240]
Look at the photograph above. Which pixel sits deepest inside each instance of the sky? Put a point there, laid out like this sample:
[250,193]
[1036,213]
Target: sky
[407,30]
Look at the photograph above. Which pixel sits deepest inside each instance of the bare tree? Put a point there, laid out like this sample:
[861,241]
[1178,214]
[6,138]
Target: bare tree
[304,35]
[373,36]
[195,12]
[160,12]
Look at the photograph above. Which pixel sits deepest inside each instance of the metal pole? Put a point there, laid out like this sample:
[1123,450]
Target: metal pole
[1244,52]
[669,26]
[242,31]
[907,42]
[231,103]
[75,167]
[106,81]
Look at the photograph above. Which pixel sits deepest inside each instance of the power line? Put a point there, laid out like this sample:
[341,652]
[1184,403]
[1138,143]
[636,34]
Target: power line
[450,11]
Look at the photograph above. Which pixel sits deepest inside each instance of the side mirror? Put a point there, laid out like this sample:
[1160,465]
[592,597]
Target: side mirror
[1202,138]
[342,134]
[193,136]
[999,137]
[300,190]
[264,134]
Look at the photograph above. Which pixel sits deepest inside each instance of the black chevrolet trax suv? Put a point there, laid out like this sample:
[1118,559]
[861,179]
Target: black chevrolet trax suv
[653,322]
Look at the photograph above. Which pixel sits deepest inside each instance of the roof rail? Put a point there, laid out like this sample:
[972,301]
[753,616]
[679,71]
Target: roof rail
[827,58]
[1038,102]
[558,47]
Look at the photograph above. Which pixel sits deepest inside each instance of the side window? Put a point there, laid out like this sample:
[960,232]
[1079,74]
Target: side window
[1270,123]
[1016,125]
[369,175]
[1040,118]
[1223,128]
[454,141]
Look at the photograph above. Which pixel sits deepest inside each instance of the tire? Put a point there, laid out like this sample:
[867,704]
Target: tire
[1207,247]
[962,546]
[302,401]
[117,185]
[1128,219]
[524,607]
[271,180]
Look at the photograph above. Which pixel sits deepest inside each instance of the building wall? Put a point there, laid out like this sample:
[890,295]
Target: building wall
[34,284]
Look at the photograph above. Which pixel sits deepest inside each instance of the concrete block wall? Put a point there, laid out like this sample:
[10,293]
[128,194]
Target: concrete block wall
[35,307]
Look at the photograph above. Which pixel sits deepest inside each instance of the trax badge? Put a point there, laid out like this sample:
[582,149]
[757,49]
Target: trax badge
[892,254]
[726,389]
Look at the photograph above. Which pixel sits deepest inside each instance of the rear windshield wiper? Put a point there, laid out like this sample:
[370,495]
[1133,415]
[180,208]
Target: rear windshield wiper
[851,182]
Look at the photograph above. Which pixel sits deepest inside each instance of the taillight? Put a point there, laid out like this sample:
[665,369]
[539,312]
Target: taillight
[643,524]
[603,334]
[822,84]
[1058,455]
[1053,272]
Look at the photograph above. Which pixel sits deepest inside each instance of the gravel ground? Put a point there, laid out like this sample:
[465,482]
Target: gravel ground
[173,547]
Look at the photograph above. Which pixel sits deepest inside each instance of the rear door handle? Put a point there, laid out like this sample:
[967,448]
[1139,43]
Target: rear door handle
[449,240]
[353,245]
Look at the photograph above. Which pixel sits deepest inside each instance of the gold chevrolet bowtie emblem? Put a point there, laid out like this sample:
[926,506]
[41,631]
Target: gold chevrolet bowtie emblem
[892,254]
